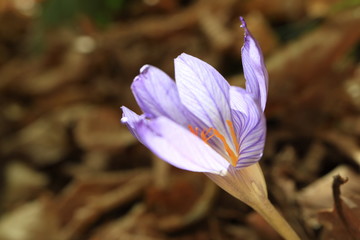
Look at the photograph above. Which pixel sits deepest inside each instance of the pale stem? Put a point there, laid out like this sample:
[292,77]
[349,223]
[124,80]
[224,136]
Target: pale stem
[248,185]
[276,220]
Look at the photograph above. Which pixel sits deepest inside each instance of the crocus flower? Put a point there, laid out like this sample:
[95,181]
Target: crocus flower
[202,124]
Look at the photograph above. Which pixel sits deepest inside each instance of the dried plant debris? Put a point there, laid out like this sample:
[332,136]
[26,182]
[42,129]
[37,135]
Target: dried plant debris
[286,66]
[318,196]
[345,143]
[32,221]
[44,141]
[22,183]
[137,224]
[100,130]
[343,222]
[98,196]
[70,171]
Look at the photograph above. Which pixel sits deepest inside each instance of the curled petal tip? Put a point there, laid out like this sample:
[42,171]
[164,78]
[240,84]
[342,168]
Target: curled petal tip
[182,56]
[243,23]
[124,120]
[137,78]
[144,69]
[254,68]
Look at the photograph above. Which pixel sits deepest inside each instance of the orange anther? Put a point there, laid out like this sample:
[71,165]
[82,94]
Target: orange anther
[204,136]
[230,152]
[194,131]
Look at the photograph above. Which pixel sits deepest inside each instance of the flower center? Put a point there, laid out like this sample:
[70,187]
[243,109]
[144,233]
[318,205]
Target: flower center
[207,133]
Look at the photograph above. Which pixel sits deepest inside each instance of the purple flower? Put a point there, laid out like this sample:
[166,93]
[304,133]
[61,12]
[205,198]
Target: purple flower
[201,123]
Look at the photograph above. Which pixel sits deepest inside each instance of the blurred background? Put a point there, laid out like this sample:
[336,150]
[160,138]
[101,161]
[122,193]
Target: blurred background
[69,170]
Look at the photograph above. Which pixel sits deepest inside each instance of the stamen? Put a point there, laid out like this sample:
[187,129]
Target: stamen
[230,152]
[233,135]
[204,136]
[194,131]
[205,133]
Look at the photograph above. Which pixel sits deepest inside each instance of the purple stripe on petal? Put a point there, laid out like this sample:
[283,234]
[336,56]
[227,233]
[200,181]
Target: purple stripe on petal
[250,126]
[254,67]
[252,146]
[157,95]
[244,164]
[253,156]
[179,147]
[203,91]
[245,112]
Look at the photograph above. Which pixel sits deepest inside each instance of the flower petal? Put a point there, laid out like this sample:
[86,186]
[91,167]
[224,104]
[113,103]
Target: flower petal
[179,147]
[252,144]
[129,118]
[245,110]
[157,95]
[249,123]
[203,91]
[254,68]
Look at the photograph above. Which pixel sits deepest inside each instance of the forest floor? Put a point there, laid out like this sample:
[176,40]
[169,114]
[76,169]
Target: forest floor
[69,170]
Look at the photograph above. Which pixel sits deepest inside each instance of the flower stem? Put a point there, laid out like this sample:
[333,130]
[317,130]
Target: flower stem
[276,220]
[248,185]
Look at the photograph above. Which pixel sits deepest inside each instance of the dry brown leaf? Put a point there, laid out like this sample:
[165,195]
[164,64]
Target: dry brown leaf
[44,141]
[352,87]
[278,9]
[318,195]
[343,221]
[326,45]
[84,201]
[240,232]
[345,143]
[21,183]
[263,228]
[319,8]
[101,130]
[197,212]
[137,224]
[32,221]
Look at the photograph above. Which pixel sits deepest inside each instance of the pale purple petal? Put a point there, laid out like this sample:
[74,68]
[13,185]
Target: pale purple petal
[157,95]
[129,118]
[245,110]
[249,124]
[254,68]
[179,147]
[252,145]
[203,91]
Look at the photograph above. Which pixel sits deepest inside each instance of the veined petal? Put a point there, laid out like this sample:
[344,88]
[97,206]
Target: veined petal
[157,95]
[252,145]
[254,68]
[245,111]
[203,91]
[179,147]
[249,123]
[247,184]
